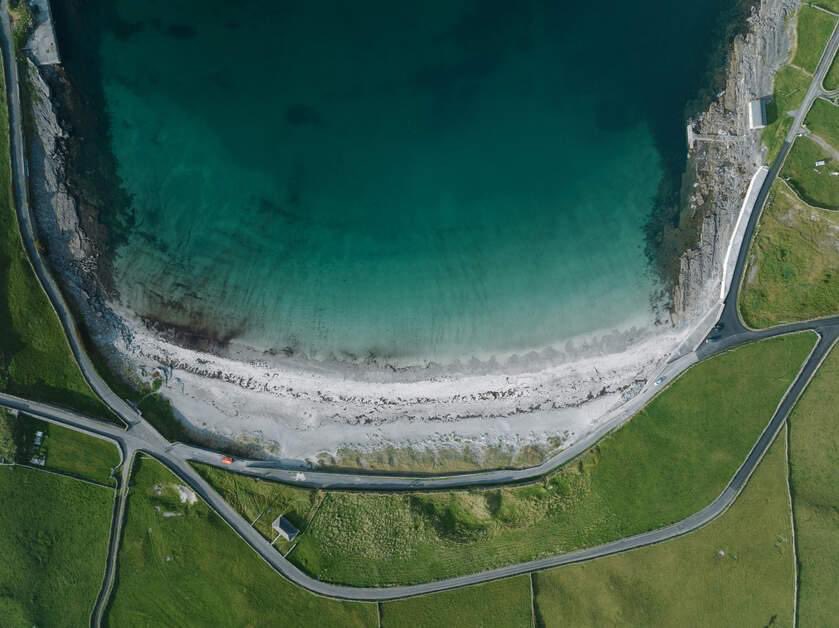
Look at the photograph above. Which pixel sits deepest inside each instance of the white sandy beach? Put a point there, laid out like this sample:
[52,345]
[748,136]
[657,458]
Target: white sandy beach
[300,411]
[291,408]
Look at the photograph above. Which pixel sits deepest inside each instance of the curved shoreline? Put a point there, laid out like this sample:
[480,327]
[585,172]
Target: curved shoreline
[282,566]
[300,410]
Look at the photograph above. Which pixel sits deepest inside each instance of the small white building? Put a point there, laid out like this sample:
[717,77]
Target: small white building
[285,528]
[757,113]
[820,163]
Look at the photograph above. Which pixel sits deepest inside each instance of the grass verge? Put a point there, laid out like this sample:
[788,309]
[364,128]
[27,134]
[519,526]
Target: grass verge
[8,447]
[677,455]
[181,565]
[814,450]
[737,571]
[503,604]
[53,539]
[793,271]
[831,81]
[814,29]
[815,184]
[823,120]
[35,358]
[788,93]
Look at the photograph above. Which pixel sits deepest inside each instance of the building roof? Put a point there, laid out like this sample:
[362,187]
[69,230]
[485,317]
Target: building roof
[757,113]
[284,527]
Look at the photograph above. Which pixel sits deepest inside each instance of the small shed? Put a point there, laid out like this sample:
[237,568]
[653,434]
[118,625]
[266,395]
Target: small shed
[285,528]
[757,113]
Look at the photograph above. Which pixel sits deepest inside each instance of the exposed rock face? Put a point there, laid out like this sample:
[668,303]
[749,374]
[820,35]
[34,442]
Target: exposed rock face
[54,207]
[72,254]
[726,154]
[236,399]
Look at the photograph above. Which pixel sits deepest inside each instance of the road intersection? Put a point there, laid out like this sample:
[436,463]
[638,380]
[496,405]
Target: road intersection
[140,437]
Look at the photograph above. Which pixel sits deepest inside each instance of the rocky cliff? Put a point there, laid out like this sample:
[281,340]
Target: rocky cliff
[725,154]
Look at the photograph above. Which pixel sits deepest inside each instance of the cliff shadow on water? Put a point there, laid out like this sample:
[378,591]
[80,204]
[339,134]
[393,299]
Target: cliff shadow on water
[673,229]
[650,64]
[79,102]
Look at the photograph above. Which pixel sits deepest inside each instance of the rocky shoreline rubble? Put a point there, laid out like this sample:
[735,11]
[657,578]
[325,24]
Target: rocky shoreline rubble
[303,410]
[725,154]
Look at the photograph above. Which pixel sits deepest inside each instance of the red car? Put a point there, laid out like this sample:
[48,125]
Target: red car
[226,460]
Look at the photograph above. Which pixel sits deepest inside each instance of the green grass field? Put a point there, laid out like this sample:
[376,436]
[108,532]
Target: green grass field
[814,29]
[181,565]
[830,5]
[789,89]
[793,271]
[8,448]
[737,571]
[815,185]
[823,120]
[261,502]
[53,539]
[35,359]
[677,455]
[503,604]
[831,81]
[814,453]
[68,451]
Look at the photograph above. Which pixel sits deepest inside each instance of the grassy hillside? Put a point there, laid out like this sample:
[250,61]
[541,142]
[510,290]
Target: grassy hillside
[737,571]
[53,539]
[181,565]
[676,455]
[793,271]
[814,452]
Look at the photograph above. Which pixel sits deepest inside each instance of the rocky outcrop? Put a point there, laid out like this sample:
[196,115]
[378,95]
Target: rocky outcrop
[298,409]
[726,154]
[53,205]
[73,255]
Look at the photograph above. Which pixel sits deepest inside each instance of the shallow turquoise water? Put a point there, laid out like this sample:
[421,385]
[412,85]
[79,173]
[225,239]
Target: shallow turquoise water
[407,180]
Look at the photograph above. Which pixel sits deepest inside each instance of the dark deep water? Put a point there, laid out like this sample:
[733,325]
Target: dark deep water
[409,180]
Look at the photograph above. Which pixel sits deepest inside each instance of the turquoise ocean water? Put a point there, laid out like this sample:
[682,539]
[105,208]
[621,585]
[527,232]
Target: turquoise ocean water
[406,180]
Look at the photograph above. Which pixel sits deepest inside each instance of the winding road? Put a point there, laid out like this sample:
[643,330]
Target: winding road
[140,437]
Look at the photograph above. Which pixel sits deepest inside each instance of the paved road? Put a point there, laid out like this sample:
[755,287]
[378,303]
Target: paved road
[359,481]
[182,469]
[731,316]
[117,521]
[733,333]
[141,437]
[20,171]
